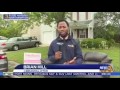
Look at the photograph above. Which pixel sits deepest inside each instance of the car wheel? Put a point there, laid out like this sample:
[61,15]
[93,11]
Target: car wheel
[36,44]
[15,48]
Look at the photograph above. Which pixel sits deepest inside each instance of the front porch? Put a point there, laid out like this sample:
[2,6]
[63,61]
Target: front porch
[81,29]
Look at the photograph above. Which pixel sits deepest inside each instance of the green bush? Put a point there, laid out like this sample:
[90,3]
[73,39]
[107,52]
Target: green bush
[101,43]
[96,43]
[110,43]
[87,43]
[117,44]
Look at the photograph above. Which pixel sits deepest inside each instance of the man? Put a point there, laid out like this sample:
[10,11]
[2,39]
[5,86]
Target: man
[64,49]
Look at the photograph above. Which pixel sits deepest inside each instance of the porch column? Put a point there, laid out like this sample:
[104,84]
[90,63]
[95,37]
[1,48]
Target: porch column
[90,32]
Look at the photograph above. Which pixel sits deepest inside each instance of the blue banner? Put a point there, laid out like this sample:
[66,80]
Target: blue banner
[1,73]
[115,74]
[15,16]
[61,66]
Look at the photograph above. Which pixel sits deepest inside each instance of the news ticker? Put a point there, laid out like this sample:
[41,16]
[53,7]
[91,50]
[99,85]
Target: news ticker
[58,74]
[6,73]
[15,17]
[62,70]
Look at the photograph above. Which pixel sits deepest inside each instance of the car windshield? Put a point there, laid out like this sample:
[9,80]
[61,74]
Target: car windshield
[12,39]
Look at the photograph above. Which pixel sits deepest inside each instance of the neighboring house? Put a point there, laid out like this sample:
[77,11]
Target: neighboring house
[81,27]
[44,33]
[33,32]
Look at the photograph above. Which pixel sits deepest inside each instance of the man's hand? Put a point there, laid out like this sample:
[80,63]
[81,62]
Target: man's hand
[66,63]
[71,61]
[58,55]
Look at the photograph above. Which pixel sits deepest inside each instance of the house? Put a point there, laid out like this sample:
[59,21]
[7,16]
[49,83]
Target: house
[44,33]
[81,27]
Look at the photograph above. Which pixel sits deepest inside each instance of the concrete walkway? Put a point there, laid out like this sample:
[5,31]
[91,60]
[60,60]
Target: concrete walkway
[44,45]
[12,64]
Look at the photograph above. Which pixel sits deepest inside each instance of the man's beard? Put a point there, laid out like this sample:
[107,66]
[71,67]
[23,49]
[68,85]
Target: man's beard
[64,35]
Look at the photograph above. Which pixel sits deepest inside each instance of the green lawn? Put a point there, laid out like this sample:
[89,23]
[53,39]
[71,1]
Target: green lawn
[17,56]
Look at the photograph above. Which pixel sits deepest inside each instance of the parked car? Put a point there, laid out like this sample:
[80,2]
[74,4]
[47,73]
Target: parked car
[4,65]
[3,62]
[17,43]
[3,38]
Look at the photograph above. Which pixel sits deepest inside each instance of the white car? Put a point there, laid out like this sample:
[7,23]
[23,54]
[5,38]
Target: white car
[3,38]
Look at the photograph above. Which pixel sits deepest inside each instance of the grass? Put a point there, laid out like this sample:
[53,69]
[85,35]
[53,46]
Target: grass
[18,56]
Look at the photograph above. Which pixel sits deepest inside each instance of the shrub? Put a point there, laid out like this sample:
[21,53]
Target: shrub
[110,43]
[117,44]
[100,43]
[87,43]
[95,43]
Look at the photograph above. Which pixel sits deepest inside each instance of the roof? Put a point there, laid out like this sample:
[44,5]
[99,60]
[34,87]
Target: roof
[80,24]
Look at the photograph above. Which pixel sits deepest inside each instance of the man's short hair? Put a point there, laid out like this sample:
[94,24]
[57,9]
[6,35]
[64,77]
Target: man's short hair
[63,21]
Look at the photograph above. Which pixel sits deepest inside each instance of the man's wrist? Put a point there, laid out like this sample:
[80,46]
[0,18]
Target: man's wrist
[52,59]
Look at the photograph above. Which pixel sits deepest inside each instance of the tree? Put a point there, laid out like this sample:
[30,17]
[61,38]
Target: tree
[12,28]
[106,25]
[47,17]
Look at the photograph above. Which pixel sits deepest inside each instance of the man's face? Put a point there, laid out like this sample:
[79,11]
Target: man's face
[62,29]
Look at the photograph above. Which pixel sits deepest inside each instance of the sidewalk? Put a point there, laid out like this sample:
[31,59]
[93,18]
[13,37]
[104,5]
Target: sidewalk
[44,45]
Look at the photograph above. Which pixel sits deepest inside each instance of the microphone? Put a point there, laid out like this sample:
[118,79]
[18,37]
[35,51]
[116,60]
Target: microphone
[60,45]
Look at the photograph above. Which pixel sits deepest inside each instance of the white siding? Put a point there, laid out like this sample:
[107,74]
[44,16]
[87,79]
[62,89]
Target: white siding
[47,33]
[82,16]
[74,15]
[90,15]
[34,32]
[47,37]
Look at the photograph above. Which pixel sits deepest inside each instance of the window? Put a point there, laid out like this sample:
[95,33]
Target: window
[82,33]
[19,39]
[26,38]
[12,39]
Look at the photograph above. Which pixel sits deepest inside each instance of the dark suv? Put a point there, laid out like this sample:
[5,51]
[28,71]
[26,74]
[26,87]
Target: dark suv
[3,62]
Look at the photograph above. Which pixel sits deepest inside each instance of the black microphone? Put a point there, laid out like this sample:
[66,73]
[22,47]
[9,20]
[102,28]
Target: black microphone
[60,46]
